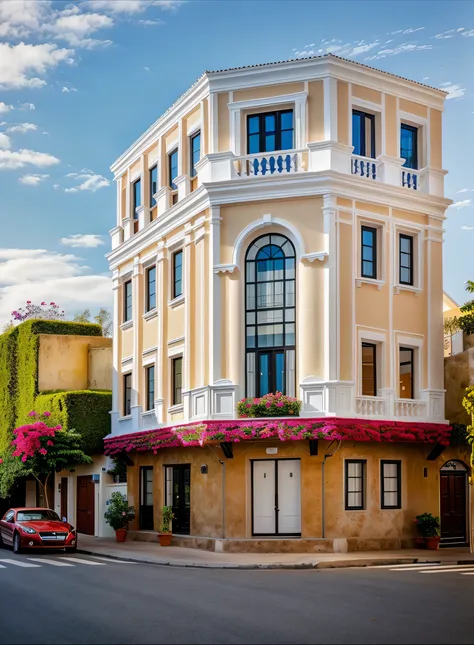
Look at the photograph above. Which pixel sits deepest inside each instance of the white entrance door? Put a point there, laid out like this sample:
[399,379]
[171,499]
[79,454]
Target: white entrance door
[264,518]
[276,497]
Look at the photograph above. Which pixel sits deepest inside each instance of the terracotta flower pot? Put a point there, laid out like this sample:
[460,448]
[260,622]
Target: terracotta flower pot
[120,535]
[165,539]
[420,543]
[432,543]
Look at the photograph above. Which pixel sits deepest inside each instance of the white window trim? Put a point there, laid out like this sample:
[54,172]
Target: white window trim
[178,352]
[173,247]
[298,99]
[415,343]
[148,263]
[417,233]
[423,125]
[379,339]
[377,109]
[149,359]
[364,485]
[380,225]
[400,485]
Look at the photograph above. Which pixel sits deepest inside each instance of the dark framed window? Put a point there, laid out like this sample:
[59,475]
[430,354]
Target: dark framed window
[173,168]
[355,484]
[127,394]
[127,301]
[177,274]
[369,252]
[177,380]
[153,185]
[391,484]
[137,196]
[270,131]
[407,373]
[195,149]
[369,369]
[151,288]
[150,387]
[270,323]
[409,145]
[406,259]
[363,134]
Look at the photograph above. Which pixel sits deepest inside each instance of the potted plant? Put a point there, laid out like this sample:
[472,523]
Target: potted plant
[164,534]
[118,515]
[429,526]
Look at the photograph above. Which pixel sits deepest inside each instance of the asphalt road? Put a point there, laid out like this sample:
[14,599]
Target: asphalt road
[87,600]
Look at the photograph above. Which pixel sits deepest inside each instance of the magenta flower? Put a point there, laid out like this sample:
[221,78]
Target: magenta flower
[49,443]
[28,302]
[46,414]
[23,458]
[43,304]
[280,405]
[43,451]
[32,413]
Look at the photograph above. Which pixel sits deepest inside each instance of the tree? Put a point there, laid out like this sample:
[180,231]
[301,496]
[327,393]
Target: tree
[40,450]
[43,311]
[103,318]
[466,321]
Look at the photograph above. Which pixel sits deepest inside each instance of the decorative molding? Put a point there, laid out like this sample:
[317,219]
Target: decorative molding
[127,359]
[176,302]
[225,268]
[297,97]
[126,325]
[174,341]
[378,283]
[150,350]
[311,257]
[397,288]
[149,315]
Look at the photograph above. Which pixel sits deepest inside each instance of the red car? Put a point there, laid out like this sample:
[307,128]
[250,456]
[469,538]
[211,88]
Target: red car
[36,528]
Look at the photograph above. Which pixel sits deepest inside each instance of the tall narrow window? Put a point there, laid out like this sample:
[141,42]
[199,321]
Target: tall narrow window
[195,152]
[391,484]
[409,145]
[270,131]
[177,274]
[270,274]
[363,134]
[137,195]
[369,252]
[406,259]
[151,288]
[173,168]
[355,484]
[127,301]
[369,369]
[407,381]
[150,387]
[177,380]
[153,185]
[127,394]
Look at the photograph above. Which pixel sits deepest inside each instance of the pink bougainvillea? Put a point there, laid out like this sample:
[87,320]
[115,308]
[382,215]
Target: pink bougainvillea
[328,429]
[269,405]
[28,438]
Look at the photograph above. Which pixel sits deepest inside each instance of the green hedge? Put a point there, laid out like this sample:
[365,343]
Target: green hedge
[19,368]
[86,411]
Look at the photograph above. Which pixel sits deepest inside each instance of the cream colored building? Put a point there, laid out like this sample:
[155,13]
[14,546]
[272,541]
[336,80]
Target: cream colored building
[280,227]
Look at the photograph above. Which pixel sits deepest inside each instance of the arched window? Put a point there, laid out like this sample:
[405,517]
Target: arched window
[270,318]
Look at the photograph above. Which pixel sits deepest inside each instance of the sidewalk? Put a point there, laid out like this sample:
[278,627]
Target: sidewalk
[151,553]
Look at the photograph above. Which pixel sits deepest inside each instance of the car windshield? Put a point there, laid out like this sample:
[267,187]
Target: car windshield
[36,515]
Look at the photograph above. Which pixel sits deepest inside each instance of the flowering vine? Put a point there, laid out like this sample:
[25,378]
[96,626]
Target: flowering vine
[269,405]
[43,311]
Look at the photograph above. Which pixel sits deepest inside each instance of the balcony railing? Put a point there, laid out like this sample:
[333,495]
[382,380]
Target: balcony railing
[411,179]
[370,406]
[270,163]
[363,167]
[410,408]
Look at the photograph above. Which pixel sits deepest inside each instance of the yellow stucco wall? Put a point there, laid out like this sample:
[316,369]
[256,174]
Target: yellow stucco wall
[223,122]
[413,108]
[63,361]
[366,93]
[343,112]
[391,126]
[315,111]
[268,90]
[436,142]
[100,368]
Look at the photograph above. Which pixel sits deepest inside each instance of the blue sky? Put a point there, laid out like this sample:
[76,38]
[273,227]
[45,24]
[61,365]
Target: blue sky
[79,82]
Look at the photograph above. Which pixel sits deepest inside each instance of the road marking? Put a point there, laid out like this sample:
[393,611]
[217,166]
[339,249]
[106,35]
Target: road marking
[19,563]
[467,573]
[402,567]
[112,560]
[95,564]
[54,563]
[449,570]
[432,568]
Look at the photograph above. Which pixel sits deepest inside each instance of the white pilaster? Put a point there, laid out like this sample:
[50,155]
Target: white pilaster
[213,123]
[214,296]
[331,331]
[188,308]
[204,128]
[330,108]
[116,366]
[160,371]
[199,241]
[137,363]
[119,201]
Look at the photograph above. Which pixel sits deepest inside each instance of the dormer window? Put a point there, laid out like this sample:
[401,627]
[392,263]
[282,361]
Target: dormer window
[270,131]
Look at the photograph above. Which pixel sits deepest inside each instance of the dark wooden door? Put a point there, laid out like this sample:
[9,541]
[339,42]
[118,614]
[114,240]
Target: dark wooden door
[453,507]
[181,499]
[146,498]
[85,504]
[64,487]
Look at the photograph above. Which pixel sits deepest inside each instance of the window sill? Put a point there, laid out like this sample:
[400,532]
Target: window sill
[378,283]
[149,315]
[126,325]
[176,301]
[174,409]
[127,417]
[148,413]
[406,287]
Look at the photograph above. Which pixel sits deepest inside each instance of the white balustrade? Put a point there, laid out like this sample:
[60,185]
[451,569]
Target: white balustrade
[364,167]
[370,406]
[270,163]
[410,408]
[410,178]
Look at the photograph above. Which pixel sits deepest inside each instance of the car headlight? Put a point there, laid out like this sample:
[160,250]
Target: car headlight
[29,530]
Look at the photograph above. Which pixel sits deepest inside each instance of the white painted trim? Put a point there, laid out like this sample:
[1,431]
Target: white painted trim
[149,359]
[297,97]
[176,302]
[149,315]
[369,335]
[330,108]
[311,257]
[175,409]
[126,325]
[149,351]
[213,123]
[174,341]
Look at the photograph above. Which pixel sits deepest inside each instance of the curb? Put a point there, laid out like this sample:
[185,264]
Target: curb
[330,564]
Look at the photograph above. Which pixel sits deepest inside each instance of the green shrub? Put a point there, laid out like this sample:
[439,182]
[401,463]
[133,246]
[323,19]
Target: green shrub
[118,513]
[270,405]
[428,524]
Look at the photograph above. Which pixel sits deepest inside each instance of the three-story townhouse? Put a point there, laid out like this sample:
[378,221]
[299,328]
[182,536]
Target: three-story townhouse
[280,228]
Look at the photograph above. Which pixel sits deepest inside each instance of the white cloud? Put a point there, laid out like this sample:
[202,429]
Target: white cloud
[337,47]
[89,182]
[467,228]
[82,241]
[468,34]
[5,143]
[403,48]
[150,23]
[32,180]
[11,160]
[118,6]
[66,89]
[463,190]
[461,204]
[23,65]
[4,108]
[27,274]
[454,91]
[19,17]
[22,128]
[147,69]
[27,107]
[75,28]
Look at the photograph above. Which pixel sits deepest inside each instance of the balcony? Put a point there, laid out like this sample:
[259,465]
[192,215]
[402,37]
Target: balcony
[270,163]
[410,408]
[363,167]
[370,406]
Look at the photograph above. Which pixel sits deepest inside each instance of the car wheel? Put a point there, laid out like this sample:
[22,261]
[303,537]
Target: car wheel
[71,549]
[16,543]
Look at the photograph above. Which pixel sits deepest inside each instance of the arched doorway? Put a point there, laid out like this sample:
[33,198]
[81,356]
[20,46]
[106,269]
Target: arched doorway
[453,503]
[270,316]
